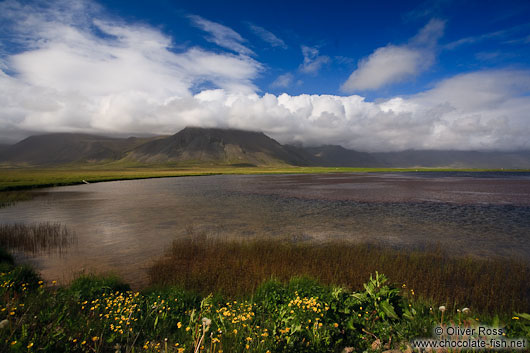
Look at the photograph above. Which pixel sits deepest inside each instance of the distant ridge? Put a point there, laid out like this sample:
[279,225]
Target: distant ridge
[456,159]
[215,146]
[65,148]
[336,156]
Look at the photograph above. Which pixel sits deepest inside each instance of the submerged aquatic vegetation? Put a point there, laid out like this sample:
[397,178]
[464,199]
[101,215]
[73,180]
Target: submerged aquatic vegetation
[8,198]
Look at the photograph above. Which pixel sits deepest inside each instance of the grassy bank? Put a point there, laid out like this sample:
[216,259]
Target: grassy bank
[14,182]
[100,314]
[28,178]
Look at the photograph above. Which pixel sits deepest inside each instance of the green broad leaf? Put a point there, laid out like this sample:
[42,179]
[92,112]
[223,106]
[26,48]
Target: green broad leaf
[361,297]
[408,315]
[388,309]
[369,288]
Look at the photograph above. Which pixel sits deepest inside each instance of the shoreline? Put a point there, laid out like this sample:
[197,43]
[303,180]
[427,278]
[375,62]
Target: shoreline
[20,179]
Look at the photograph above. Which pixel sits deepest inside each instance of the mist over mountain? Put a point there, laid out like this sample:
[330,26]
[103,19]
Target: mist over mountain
[336,156]
[455,159]
[215,146]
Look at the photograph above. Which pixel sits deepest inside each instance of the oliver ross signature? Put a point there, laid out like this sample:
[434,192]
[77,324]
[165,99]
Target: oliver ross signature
[458,331]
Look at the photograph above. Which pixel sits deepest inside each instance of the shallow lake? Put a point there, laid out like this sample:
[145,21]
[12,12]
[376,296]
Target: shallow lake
[123,226]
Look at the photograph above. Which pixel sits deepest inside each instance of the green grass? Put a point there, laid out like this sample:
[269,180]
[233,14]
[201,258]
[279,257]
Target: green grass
[28,178]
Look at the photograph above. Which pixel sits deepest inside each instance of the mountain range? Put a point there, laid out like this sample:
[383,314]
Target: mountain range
[214,146]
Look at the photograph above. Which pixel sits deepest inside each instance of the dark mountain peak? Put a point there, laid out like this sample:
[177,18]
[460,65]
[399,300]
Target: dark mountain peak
[216,130]
[215,145]
[230,136]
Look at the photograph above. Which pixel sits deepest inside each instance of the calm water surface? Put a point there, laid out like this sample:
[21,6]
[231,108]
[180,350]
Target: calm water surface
[123,226]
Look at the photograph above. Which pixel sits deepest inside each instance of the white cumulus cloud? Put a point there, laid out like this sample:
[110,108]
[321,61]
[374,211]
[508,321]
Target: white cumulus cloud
[395,63]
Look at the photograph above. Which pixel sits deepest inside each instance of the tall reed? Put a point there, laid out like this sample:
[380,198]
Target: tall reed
[237,267]
[36,238]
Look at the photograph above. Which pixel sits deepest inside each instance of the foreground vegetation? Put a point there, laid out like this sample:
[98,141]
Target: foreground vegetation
[238,267]
[211,295]
[101,314]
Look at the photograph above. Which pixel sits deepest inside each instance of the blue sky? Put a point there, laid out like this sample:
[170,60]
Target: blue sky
[475,35]
[370,75]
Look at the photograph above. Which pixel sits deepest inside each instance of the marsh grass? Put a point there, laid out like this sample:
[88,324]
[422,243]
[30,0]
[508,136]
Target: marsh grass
[9,198]
[237,267]
[36,238]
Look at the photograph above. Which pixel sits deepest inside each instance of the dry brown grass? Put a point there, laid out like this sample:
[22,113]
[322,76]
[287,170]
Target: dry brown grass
[236,268]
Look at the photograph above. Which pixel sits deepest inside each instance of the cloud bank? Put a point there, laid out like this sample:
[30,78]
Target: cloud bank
[78,70]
